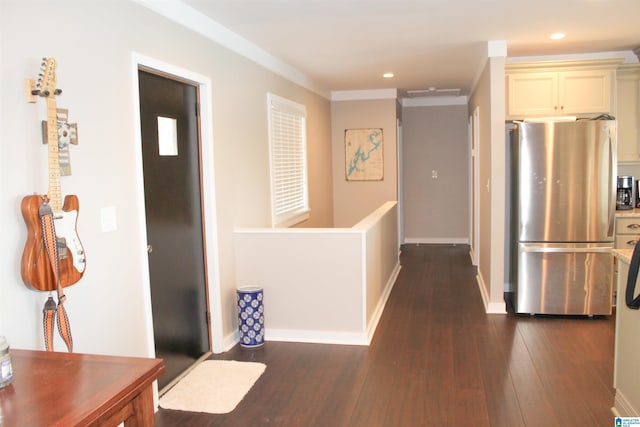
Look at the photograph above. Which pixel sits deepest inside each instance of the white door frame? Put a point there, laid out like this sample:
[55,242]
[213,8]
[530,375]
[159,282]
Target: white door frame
[400,183]
[475,185]
[208,195]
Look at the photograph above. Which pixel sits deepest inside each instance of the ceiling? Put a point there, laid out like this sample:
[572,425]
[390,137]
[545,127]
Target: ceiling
[348,44]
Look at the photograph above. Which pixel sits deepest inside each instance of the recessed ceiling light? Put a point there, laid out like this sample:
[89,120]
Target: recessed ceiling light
[388,75]
[557,36]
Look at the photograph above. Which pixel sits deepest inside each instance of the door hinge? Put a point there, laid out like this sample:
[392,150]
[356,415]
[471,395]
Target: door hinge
[197,109]
[208,317]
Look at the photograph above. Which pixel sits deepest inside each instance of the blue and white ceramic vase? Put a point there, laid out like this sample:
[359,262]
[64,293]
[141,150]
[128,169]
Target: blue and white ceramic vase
[251,316]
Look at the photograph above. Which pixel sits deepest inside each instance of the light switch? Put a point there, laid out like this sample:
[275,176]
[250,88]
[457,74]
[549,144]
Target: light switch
[108,218]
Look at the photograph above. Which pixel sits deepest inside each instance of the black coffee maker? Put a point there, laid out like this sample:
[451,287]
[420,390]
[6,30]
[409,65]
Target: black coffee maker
[624,199]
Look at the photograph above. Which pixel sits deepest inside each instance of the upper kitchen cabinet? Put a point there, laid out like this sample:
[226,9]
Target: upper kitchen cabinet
[628,113]
[573,88]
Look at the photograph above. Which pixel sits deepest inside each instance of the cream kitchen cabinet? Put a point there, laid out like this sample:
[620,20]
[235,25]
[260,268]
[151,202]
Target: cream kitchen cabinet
[626,375]
[560,89]
[628,113]
[627,229]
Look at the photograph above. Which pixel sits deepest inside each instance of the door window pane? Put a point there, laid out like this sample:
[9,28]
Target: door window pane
[167,136]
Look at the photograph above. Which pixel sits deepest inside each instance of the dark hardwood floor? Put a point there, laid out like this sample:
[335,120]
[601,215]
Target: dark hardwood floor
[436,360]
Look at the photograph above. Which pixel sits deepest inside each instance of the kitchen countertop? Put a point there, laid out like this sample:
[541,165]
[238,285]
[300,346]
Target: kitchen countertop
[628,213]
[623,254]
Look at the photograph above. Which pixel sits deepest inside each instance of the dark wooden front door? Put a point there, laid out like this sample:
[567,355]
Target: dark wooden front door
[171,164]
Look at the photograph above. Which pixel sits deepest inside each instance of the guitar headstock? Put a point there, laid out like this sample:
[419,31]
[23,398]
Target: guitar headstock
[47,78]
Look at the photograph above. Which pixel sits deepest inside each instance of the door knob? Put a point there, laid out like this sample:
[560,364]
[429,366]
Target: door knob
[149,249]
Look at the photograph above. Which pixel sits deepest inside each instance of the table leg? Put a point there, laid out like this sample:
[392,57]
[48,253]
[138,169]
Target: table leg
[143,410]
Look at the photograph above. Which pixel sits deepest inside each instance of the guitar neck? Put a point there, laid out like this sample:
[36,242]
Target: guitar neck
[54,193]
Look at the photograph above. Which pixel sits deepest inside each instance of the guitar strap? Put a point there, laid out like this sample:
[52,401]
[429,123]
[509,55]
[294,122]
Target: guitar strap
[50,311]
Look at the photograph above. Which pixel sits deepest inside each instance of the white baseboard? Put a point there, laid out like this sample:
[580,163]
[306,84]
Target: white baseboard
[303,336]
[472,255]
[622,406]
[496,308]
[437,240]
[489,307]
[230,340]
[317,337]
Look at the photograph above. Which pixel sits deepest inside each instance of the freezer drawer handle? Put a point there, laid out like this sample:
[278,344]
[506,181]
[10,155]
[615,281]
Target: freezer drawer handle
[633,226]
[564,250]
[633,303]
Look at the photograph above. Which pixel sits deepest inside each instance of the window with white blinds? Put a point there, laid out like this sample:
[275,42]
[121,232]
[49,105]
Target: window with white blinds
[288,156]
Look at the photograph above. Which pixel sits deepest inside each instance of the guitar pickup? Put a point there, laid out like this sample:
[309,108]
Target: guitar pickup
[61,243]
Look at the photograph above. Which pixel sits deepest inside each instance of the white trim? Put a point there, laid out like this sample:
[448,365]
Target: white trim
[317,337]
[231,340]
[437,240]
[476,187]
[400,168]
[188,17]
[140,206]
[496,48]
[363,95]
[434,101]
[622,406]
[208,191]
[489,307]
[470,165]
[277,105]
[627,56]
[496,308]
[264,230]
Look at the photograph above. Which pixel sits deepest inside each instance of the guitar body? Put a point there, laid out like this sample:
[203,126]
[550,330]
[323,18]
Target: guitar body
[36,268]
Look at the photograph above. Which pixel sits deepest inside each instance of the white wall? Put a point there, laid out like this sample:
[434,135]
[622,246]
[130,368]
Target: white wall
[382,259]
[435,138]
[93,43]
[353,200]
[489,97]
[325,285]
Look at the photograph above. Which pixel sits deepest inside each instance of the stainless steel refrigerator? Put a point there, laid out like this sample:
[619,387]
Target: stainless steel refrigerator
[563,186]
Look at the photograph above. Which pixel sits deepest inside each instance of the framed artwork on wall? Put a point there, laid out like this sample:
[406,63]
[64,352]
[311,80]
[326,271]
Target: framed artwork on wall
[363,154]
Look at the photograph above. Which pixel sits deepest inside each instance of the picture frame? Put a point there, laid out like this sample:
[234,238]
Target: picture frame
[364,160]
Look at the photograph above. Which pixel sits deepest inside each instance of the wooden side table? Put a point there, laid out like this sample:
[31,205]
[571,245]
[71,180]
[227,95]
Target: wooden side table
[69,389]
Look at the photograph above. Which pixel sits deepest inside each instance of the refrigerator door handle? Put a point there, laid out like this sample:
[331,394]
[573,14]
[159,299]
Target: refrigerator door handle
[564,250]
[612,197]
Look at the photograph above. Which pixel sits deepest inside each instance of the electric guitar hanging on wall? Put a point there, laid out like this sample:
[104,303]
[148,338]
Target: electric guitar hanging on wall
[37,271]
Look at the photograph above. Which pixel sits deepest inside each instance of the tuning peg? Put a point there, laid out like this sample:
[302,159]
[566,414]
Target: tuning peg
[35,92]
[46,93]
[57,91]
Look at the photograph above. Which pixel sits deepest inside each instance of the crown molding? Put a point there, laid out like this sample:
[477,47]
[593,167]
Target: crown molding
[434,101]
[360,95]
[188,17]
[625,56]
[496,48]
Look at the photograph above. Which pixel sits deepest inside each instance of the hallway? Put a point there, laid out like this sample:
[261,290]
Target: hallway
[436,360]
